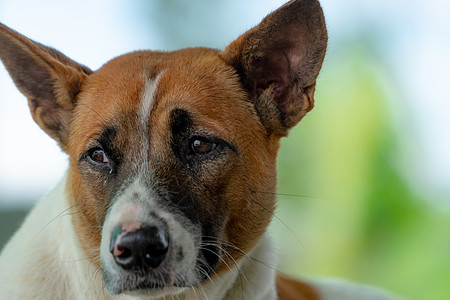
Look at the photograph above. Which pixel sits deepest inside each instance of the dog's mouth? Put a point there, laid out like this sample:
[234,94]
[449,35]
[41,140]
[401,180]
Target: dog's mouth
[164,279]
[157,283]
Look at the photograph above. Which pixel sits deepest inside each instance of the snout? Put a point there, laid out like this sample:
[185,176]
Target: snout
[140,247]
[147,249]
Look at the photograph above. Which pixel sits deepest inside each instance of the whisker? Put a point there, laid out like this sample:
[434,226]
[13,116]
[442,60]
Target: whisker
[289,195]
[281,221]
[218,255]
[80,259]
[244,253]
[200,288]
[61,214]
[94,111]
[227,254]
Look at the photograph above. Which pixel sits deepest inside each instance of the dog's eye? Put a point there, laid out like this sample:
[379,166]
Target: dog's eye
[201,145]
[98,156]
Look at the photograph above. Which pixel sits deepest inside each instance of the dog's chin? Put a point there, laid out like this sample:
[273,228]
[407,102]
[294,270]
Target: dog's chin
[157,285]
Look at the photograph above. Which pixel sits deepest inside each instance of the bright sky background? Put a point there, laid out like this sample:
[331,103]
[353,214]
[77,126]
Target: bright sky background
[414,41]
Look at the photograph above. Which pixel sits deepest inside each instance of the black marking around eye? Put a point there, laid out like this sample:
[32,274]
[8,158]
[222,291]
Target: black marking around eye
[106,140]
[107,135]
[181,126]
[180,123]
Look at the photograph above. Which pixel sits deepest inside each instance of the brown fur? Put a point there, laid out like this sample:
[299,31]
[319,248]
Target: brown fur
[289,289]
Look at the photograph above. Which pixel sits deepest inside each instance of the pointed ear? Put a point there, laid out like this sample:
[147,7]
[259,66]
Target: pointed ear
[49,80]
[278,62]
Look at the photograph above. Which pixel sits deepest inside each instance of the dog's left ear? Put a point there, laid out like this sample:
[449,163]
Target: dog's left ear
[50,80]
[278,62]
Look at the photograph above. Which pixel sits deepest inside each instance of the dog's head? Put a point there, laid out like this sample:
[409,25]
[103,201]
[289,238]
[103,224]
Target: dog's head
[173,154]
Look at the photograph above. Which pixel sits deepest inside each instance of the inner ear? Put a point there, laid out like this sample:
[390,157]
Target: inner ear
[271,70]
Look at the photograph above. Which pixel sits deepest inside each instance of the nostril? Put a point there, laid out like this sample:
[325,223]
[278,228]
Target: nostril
[123,252]
[157,248]
[123,257]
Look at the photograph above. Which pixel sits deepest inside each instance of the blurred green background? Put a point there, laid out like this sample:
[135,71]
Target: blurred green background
[353,211]
[362,179]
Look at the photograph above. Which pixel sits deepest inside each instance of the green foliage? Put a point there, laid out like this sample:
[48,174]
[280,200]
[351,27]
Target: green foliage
[342,193]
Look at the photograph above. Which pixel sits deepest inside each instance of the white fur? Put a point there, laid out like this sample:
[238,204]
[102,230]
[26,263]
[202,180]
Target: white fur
[340,289]
[143,117]
[147,99]
[44,259]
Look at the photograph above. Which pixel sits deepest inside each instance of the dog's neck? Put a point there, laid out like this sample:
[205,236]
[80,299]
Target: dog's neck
[253,277]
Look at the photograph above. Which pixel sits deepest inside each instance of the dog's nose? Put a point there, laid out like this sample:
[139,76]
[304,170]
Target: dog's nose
[140,249]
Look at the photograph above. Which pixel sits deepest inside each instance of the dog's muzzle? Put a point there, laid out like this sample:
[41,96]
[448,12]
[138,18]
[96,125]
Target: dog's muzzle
[147,249]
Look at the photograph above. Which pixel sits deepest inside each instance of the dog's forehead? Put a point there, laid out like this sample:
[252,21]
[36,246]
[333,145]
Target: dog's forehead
[207,89]
[143,88]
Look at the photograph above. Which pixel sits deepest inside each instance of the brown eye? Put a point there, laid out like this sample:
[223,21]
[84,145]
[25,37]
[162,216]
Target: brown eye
[99,156]
[202,146]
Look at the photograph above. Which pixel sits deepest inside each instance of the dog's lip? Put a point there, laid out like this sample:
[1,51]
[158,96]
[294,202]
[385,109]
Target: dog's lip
[135,283]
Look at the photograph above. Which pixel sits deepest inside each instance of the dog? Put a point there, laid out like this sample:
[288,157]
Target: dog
[169,153]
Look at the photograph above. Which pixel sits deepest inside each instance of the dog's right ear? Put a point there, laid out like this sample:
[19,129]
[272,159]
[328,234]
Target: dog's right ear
[50,80]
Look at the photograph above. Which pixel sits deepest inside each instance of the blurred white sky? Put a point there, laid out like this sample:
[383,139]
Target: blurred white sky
[414,41]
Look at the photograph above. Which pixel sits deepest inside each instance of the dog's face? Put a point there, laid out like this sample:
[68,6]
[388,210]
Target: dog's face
[180,151]
[173,155]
